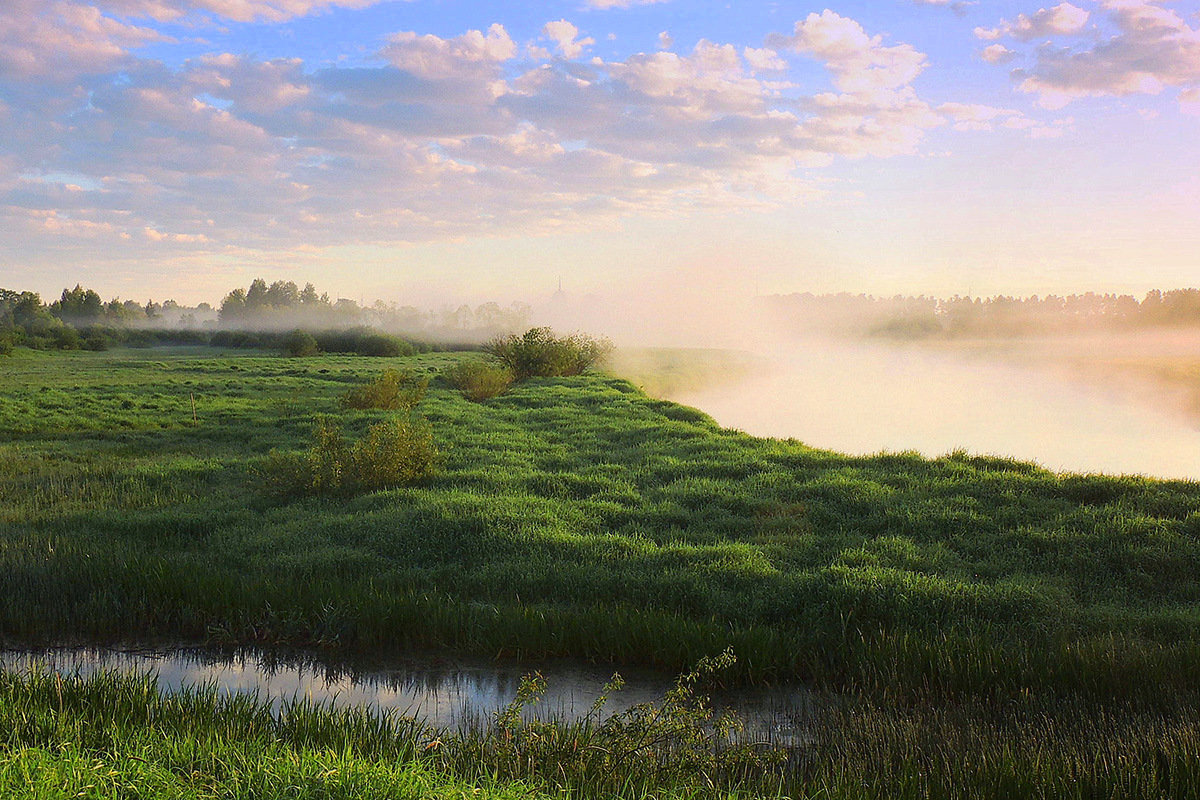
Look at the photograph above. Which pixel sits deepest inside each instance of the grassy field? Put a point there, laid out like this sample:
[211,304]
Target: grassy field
[988,626]
[572,517]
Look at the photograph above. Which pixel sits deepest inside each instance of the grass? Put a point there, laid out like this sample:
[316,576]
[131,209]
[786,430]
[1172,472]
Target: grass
[117,736]
[575,517]
[977,626]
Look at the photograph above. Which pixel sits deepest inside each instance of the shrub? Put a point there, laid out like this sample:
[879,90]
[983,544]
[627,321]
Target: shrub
[364,342]
[392,391]
[300,343]
[538,353]
[6,344]
[478,380]
[392,453]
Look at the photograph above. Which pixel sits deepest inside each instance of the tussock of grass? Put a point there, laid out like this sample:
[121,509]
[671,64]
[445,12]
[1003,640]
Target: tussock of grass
[392,453]
[394,390]
[478,380]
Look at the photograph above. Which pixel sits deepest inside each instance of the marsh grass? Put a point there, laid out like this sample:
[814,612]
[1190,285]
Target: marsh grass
[575,517]
[114,735]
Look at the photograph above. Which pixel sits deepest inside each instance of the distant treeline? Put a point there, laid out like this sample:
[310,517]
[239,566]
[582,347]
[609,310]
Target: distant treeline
[901,317]
[81,320]
[283,305]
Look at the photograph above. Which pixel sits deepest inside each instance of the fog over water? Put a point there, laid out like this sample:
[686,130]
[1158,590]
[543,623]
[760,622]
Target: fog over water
[1116,403]
[864,398]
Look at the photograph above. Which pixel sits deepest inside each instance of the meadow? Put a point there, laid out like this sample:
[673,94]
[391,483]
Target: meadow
[987,620]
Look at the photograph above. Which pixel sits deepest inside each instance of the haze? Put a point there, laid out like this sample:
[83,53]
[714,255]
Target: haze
[667,162]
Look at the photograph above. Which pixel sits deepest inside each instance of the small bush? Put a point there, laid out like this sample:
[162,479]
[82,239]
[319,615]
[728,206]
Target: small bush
[478,380]
[6,344]
[538,353]
[300,343]
[392,391]
[392,453]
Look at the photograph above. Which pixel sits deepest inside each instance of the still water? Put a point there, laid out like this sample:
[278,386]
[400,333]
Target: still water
[447,695]
[863,399]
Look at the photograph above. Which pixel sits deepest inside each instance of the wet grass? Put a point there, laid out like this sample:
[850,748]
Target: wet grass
[112,735]
[575,517]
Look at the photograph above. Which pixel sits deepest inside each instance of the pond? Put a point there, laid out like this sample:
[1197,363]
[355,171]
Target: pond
[451,695]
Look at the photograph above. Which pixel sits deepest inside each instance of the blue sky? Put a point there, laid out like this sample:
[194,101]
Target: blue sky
[440,150]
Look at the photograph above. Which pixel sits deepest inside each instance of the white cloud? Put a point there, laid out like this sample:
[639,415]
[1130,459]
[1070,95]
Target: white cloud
[608,4]
[857,60]
[56,39]
[236,10]
[438,137]
[763,59]
[1151,49]
[997,54]
[566,38]
[1063,19]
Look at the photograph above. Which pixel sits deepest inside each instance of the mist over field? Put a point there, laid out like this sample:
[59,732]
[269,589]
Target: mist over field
[1096,400]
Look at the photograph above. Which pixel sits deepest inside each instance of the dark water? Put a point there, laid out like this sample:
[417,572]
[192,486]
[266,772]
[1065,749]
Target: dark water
[447,695]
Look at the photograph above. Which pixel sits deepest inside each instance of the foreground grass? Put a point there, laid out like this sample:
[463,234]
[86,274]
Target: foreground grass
[111,736]
[577,517]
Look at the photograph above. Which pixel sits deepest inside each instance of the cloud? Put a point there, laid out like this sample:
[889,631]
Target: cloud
[981,117]
[436,137]
[236,10]
[958,6]
[608,4]
[566,38]
[1151,49]
[473,54]
[1062,19]
[56,39]
[997,54]
[857,60]
[1189,101]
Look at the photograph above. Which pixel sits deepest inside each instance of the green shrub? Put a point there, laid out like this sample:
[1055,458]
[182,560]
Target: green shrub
[478,380]
[300,343]
[6,344]
[393,453]
[364,342]
[538,353]
[392,391]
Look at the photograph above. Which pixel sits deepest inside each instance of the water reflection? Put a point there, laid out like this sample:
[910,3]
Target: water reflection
[447,695]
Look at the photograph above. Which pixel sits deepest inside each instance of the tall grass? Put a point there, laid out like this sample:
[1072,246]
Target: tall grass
[574,517]
[112,735]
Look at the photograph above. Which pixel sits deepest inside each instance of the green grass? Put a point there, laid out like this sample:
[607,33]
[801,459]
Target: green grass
[575,517]
[113,736]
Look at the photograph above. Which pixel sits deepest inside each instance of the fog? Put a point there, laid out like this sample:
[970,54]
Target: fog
[1116,403]
[864,398]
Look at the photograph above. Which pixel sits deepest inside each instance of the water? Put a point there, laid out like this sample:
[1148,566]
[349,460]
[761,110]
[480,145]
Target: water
[864,399]
[447,695]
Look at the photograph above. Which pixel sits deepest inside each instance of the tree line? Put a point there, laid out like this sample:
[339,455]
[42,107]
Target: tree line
[909,317]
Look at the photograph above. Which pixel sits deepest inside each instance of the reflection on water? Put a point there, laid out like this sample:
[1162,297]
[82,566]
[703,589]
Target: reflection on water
[863,399]
[443,694]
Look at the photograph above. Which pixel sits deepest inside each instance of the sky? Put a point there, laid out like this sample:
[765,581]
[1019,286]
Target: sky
[447,151]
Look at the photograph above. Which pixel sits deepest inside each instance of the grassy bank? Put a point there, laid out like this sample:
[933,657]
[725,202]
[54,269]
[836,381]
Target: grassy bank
[112,736]
[576,517]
